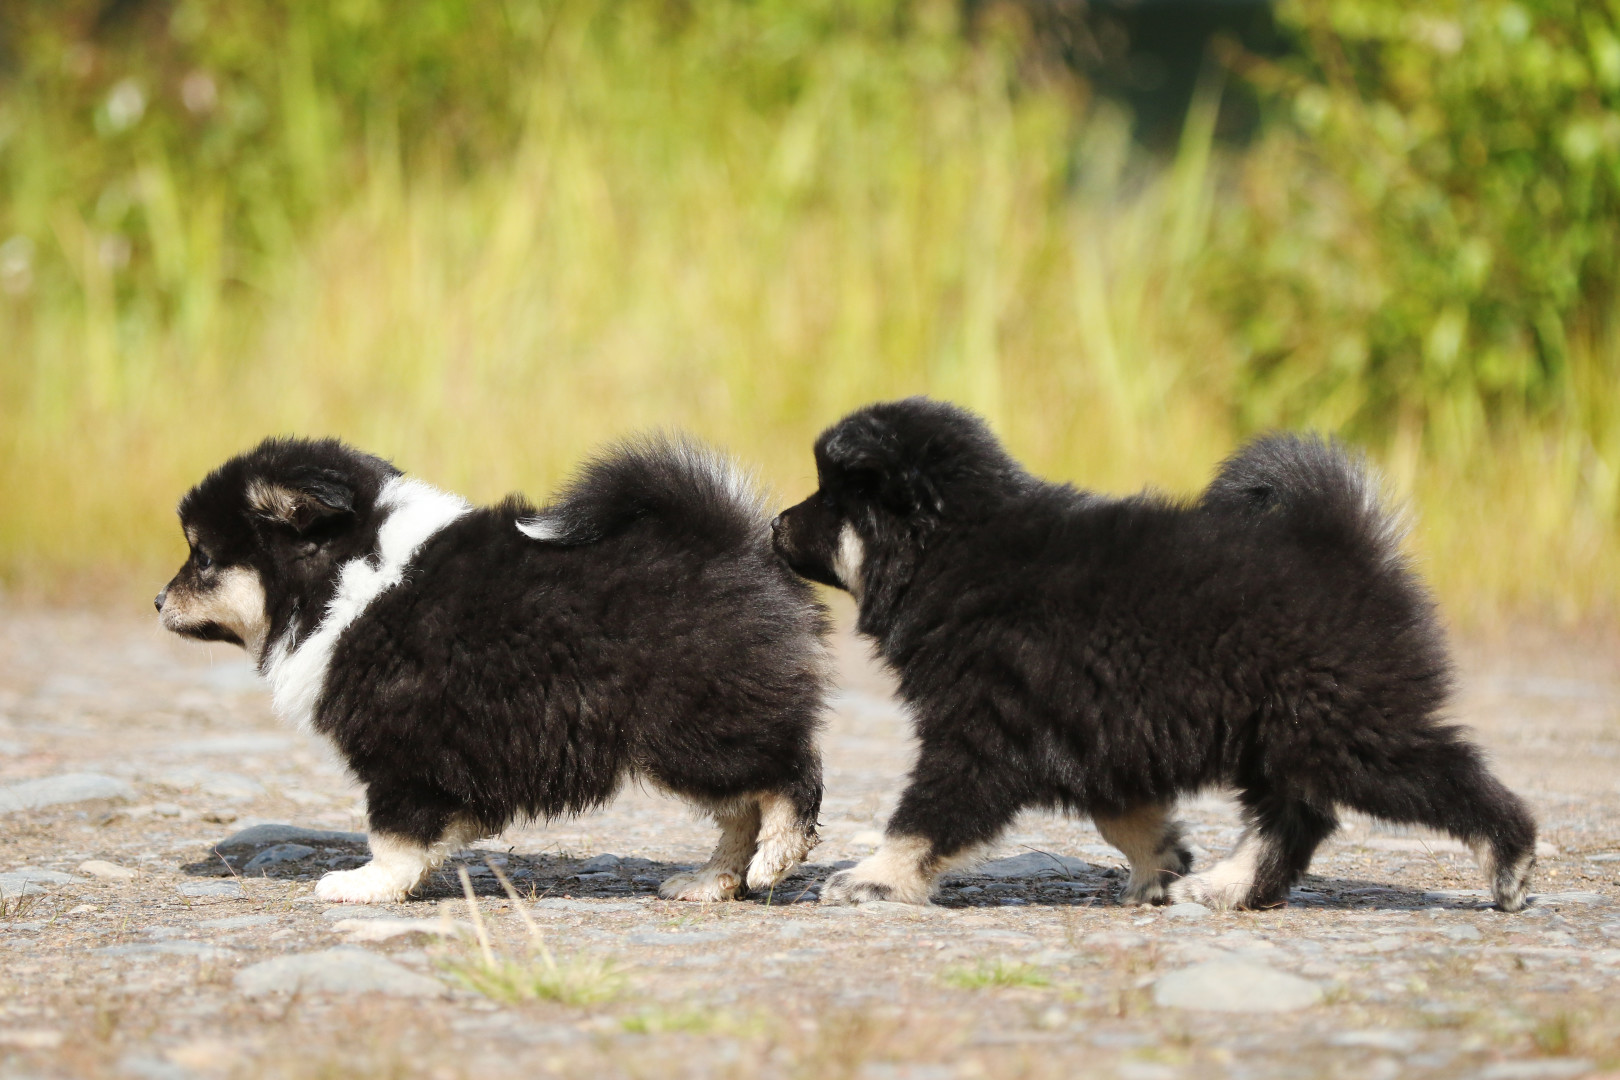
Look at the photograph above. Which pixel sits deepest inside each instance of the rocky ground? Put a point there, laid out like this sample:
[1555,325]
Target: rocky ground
[135,941]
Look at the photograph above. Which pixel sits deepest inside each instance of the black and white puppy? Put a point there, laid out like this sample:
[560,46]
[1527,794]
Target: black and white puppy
[479,665]
[1105,656]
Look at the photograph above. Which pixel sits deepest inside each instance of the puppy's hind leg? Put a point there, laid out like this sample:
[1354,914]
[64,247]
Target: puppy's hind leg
[1153,844]
[724,876]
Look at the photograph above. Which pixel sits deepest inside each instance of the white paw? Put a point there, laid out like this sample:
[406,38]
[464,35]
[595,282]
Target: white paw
[362,886]
[704,886]
[856,887]
[773,860]
[1209,889]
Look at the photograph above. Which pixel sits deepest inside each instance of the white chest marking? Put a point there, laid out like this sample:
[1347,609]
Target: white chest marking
[415,512]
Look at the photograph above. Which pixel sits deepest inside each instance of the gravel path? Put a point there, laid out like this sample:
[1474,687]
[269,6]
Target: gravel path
[133,944]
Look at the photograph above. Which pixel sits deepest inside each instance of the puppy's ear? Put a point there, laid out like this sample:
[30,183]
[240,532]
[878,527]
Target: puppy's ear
[302,500]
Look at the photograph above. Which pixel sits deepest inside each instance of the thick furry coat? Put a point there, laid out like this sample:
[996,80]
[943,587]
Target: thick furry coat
[1106,656]
[477,665]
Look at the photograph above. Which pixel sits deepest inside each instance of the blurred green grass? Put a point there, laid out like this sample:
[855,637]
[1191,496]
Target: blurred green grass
[483,239]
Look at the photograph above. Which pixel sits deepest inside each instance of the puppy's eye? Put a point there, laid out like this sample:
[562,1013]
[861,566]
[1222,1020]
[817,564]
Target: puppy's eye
[203,561]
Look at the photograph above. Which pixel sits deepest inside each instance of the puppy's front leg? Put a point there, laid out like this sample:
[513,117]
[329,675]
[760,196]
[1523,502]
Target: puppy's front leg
[945,818]
[401,853]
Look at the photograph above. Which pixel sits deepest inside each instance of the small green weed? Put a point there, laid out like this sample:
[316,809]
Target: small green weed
[13,908]
[995,973]
[537,977]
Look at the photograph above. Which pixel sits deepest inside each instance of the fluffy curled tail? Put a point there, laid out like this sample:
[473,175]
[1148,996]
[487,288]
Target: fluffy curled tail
[686,487]
[1324,490]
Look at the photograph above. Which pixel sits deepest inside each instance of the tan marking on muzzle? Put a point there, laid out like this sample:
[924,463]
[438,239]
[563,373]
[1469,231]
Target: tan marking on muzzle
[235,601]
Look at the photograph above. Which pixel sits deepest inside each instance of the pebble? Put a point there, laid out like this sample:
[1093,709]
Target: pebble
[1462,933]
[341,970]
[600,863]
[1186,911]
[228,890]
[1226,986]
[66,788]
[278,853]
[107,871]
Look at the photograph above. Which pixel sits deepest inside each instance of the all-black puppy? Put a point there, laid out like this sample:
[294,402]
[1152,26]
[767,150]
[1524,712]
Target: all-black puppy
[475,666]
[1103,655]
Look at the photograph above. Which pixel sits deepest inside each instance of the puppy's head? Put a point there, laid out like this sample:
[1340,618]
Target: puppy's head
[890,476]
[268,531]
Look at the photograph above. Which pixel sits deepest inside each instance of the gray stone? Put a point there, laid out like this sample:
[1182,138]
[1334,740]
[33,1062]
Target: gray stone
[1186,911]
[236,922]
[66,788]
[263,836]
[1034,864]
[1463,932]
[200,950]
[341,970]
[1540,1069]
[108,871]
[564,903]
[356,911]
[601,877]
[1235,986]
[598,863]
[226,890]
[1558,899]
[280,853]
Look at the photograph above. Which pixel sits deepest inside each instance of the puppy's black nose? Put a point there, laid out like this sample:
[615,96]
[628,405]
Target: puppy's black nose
[158,602]
[776,527]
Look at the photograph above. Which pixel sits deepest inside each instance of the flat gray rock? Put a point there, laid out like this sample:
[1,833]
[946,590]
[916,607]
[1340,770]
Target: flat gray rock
[1555,898]
[263,836]
[1540,1069]
[598,863]
[278,853]
[236,922]
[198,949]
[565,903]
[219,890]
[341,970]
[66,788]
[1034,864]
[1186,911]
[1234,986]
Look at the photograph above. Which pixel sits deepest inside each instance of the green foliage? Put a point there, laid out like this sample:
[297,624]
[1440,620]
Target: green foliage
[1431,233]
[996,973]
[482,238]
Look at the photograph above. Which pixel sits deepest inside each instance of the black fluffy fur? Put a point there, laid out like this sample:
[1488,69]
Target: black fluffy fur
[1062,649]
[654,635]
